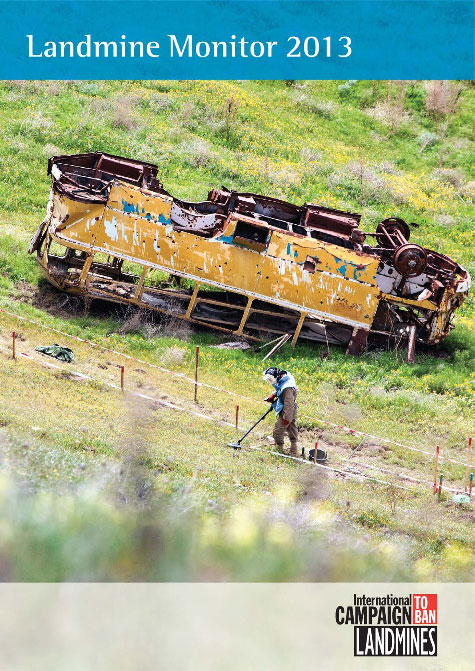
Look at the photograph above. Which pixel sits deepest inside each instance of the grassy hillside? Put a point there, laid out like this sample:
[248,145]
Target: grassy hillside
[382,149]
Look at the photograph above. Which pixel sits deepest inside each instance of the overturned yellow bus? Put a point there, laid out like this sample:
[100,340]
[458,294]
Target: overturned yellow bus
[246,264]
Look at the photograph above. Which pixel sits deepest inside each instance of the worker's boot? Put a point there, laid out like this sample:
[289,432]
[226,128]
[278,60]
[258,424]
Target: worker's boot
[294,450]
[279,447]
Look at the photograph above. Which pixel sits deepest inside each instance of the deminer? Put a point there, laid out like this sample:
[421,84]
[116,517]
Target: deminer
[284,402]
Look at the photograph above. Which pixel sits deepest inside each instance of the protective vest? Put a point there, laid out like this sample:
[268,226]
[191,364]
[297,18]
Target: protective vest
[284,383]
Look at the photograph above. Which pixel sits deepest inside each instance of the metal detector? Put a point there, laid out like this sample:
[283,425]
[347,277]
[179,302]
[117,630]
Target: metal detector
[237,445]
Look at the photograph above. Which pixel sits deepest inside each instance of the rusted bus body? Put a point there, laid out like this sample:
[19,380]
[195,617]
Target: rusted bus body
[253,265]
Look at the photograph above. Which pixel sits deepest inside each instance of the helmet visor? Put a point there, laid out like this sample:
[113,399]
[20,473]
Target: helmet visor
[270,378]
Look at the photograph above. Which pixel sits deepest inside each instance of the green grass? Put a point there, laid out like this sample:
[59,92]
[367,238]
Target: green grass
[74,440]
[159,495]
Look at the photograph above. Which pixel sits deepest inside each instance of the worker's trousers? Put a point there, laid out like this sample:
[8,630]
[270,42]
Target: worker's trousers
[280,429]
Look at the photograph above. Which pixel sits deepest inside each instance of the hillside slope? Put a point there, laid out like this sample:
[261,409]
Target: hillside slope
[382,149]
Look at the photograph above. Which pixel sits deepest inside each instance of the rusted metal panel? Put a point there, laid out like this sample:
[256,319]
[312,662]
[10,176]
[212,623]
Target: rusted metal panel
[357,342]
[283,268]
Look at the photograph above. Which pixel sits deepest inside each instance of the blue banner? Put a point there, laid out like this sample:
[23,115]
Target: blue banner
[237,40]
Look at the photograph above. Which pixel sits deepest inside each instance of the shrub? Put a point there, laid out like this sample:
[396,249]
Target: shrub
[310,155]
[469,189]
[50,150]
[372,185]
[37,120]
[452,176]
[88,88]
[325,109]
[186,116]
[122,113]
[389,168]
[390,112]
[442,97]
[173,357]
[160,101]
[344,90]
[445,220]
[427,139]
[196,152]
[302,99]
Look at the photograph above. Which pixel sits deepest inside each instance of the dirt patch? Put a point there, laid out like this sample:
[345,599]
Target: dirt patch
[323,437]
[66,375]
[57,303]
[26,292]
[463,511]
[47,298]
[152,325]
[370,448]
[133,322]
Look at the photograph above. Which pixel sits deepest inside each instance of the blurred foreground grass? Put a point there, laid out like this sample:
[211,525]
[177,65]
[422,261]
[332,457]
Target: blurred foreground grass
[147,497]
[47,537]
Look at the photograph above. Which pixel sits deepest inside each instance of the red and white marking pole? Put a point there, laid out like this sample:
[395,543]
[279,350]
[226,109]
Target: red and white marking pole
[14,345]
[467,468]
[440,487]
[122,374]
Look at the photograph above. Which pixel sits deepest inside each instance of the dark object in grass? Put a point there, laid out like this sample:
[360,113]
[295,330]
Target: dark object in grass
[57,351]
[322,455]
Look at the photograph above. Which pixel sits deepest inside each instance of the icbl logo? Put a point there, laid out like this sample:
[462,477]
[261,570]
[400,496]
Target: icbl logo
[424,609]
